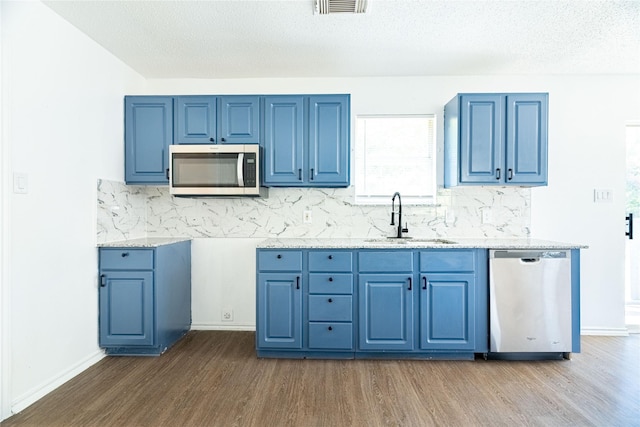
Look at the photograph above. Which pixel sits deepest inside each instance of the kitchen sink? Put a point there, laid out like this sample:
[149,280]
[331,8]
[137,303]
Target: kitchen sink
[405,240]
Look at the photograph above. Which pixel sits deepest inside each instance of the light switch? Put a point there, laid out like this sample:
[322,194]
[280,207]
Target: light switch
[602,196]
[20,183]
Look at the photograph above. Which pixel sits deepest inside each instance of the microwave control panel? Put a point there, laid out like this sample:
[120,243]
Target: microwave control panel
[249,169]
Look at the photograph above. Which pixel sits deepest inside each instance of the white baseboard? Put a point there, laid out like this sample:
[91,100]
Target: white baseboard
[36,393]
[223,327]
[613,332]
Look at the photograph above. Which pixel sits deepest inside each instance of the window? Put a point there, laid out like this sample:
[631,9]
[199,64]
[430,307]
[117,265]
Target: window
[395,153]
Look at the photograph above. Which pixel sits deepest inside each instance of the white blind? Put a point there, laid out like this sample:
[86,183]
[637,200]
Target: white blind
[395,153]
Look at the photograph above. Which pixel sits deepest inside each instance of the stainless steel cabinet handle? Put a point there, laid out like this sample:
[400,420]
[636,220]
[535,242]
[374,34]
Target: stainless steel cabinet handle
[498,173]
[424,282]
[103,280]
[510,174]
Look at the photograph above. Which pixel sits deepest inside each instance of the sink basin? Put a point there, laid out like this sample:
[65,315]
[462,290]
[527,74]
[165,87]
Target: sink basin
[405,240]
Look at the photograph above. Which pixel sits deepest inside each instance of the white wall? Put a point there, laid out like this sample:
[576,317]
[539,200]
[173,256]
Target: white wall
[587,152]
[587,116]
[62,115]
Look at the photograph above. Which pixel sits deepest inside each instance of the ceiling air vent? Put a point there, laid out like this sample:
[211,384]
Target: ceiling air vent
[324,7]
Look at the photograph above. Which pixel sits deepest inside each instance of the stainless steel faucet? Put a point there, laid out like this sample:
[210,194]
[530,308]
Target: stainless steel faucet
[400,229]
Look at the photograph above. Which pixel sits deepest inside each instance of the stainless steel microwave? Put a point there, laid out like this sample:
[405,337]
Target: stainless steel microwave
[215,170]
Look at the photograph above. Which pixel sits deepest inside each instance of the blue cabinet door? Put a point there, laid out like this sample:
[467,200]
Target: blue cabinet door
[196,120]
[385,315]
[279,320]
[148,134]
[283,140]
[526,139]
[239,120]
[447,311]
[481,138]
[126,308]
[328,140]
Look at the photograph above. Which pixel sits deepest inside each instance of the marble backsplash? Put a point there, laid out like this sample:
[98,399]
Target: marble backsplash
[128,211]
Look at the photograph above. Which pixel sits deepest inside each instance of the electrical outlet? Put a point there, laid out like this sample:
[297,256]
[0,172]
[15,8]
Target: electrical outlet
[486,216]
[449,217]
[306,217]
[602,196]
[227,315]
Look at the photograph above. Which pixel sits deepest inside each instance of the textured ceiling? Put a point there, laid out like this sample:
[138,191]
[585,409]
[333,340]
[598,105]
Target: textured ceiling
[264,38]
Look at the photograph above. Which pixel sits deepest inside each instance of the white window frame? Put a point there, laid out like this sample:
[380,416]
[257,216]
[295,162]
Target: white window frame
[362,197]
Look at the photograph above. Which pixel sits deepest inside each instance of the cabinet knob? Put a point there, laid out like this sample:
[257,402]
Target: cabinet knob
[125,254]
[330,328]
[330,256]
[331,279]
[212,139]
[330,300]
[279,256]
[222,139]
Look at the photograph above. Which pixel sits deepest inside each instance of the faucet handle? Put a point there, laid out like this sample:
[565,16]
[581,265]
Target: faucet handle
[392,221]
[406,227]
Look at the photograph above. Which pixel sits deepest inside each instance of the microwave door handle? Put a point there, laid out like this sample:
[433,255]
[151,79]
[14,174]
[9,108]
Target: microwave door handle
[240,169]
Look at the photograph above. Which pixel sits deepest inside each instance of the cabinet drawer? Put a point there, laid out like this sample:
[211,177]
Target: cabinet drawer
[327,283]
[326,335]
[385,261]
[330,307]
[447,260]
[280,261]
[126,259]
[330,261]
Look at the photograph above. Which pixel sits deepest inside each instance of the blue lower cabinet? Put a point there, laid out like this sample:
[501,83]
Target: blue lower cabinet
[144,298]
[330,336]
[447,311]
[126,309]
[371,303]
[279,323]
[385,303]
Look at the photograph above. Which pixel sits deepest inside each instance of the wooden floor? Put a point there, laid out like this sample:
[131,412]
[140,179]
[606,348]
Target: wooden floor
[213,378]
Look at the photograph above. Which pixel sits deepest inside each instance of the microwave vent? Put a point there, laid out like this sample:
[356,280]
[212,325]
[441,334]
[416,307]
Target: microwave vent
[324,7]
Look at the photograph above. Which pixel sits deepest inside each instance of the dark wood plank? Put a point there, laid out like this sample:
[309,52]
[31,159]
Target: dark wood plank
[213,378]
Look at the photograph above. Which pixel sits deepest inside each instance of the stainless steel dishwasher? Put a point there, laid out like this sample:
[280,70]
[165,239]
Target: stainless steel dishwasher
[530,300]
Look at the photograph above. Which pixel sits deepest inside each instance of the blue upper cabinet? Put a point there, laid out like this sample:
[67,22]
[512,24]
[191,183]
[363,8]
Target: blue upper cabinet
[148,134]
[306,141]
[526,143]
[233,119]
[284,140]
[481,138]
[239,120]
[196,119]
[496,139]
[328,134]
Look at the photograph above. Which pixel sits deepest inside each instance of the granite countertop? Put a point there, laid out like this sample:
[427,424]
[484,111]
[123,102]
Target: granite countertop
[384,243]
[143,242]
